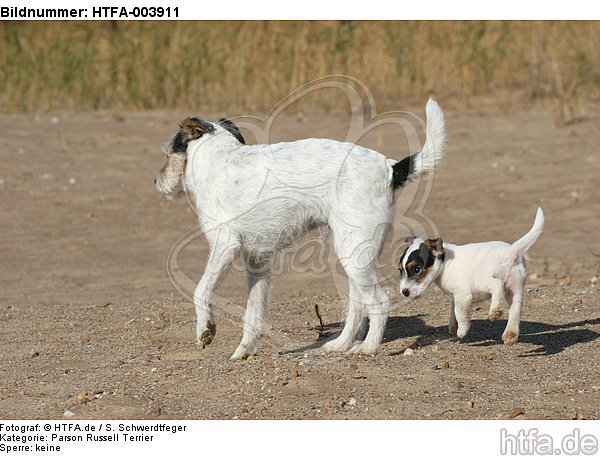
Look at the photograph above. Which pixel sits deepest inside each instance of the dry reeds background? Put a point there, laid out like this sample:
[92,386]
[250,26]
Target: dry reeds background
[217,65]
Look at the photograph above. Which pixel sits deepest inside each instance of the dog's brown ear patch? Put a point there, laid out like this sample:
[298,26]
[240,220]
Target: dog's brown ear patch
[193,128]
[436,246]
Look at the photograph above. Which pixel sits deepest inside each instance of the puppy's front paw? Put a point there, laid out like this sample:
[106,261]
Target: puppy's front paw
[510,337]
[207,335]
[495,314]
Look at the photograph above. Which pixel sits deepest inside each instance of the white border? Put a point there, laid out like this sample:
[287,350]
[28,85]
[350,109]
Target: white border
[348,10]
[302,438]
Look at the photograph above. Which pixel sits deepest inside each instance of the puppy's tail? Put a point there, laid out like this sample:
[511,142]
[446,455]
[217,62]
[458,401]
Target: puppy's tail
[524,244]
[431,155]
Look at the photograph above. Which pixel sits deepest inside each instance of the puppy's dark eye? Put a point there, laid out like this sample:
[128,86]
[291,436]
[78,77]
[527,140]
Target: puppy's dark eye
[417,270]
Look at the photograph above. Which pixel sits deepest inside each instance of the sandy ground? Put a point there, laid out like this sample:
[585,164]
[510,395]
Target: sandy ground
[90,322]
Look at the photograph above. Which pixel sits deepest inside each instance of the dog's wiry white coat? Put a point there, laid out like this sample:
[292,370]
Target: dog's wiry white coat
[476,272]
[258,199]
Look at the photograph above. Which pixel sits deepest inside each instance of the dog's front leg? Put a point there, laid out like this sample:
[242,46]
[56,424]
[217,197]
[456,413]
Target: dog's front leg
[255,318]
[462,310]
[219,260]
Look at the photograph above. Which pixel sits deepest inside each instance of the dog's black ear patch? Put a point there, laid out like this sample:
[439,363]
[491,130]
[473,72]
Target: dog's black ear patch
[420,261]
[193,128]
[426,255]
[232,128]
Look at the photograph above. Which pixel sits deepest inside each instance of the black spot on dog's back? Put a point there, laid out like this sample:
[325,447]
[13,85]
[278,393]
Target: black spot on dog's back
[401,171]
[232,128]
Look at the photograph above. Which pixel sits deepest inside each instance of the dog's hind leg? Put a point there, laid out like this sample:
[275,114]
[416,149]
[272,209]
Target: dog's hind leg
[497,291]
[219,259]
[255,318]
[357,248]
[514,294]
[364,329]
[358,245]
[376,302]
[353,322]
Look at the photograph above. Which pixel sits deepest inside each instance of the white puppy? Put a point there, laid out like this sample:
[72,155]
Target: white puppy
[258,199]
[471,273]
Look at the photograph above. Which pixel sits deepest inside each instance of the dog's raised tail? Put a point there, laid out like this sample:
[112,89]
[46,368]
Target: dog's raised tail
[431,155]
[524,244]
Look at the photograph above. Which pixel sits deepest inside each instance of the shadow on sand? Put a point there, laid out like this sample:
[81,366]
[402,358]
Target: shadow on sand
[547,339]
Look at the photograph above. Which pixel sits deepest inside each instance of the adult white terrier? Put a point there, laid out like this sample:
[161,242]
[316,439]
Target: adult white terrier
[471,273]
[258,199]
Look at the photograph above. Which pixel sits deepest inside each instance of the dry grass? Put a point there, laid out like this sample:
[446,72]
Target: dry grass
[214,65]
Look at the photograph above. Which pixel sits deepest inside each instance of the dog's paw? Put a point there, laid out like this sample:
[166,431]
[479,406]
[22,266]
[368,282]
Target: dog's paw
[363,349]
[207,335]
[495,314]
[510,337]
[336,345]
[461,333]
[243,352]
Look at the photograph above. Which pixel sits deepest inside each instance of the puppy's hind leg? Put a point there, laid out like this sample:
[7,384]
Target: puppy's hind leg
[514,294]
[497,290]
[255,318]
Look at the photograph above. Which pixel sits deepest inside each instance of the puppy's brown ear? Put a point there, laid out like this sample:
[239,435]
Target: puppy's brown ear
[193,128]
[436,246]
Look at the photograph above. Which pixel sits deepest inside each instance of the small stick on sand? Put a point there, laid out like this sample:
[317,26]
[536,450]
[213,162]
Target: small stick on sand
[320,320]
